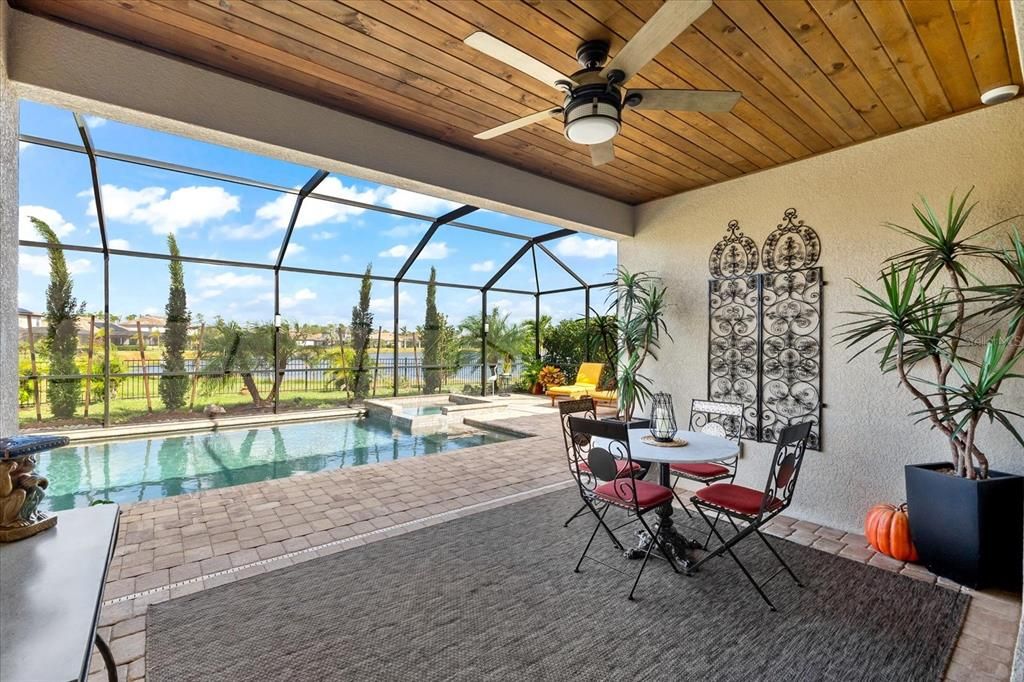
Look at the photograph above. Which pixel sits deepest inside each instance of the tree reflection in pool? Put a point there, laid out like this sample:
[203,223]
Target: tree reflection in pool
[129,471]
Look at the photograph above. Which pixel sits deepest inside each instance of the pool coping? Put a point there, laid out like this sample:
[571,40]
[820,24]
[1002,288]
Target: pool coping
[157,429]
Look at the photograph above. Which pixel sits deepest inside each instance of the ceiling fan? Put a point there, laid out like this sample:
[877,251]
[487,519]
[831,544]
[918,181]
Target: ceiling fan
[594,96]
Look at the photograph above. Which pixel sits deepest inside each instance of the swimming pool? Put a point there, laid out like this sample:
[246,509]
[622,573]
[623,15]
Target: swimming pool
[129,471]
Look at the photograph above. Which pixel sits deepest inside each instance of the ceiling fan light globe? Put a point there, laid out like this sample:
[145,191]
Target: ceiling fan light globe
[593,123]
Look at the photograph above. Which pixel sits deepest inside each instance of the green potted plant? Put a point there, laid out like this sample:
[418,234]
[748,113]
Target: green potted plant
[550,376]
[630,331]
[954,341]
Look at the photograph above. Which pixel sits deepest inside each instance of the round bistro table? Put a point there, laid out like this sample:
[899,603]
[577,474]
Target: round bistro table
[699,448]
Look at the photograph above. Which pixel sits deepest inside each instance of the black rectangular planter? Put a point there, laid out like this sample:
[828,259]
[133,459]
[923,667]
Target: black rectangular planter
[636,423]
[967,530]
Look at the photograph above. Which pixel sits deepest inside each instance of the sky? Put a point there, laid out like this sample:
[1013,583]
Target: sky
[212,219]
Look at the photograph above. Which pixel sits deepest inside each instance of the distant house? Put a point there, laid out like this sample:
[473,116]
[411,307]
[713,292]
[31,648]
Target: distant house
[151,324]
[120,335]
[318,340]
[37,319]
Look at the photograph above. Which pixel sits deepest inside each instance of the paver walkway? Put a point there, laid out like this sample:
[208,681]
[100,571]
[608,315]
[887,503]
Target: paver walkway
[175,546]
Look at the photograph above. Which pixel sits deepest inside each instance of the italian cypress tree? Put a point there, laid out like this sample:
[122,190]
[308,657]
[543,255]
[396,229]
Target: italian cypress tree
[362,328]
[432,371]
[173,382]
[62,310]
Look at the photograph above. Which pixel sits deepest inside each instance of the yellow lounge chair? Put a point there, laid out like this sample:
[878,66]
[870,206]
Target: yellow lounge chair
[587,379]
[608,397]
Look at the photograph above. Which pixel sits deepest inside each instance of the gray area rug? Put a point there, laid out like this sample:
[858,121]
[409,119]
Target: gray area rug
[492,596]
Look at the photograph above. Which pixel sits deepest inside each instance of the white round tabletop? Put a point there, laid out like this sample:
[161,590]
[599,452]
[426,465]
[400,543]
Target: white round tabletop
[700,447]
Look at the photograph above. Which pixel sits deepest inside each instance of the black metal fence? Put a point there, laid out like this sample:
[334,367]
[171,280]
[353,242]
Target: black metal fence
[299,377]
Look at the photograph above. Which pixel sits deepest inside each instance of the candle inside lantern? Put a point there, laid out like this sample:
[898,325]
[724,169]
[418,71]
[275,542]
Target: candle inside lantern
[663,418]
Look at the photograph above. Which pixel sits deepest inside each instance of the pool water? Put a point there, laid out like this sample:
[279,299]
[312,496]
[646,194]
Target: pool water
[420,410]
[129,471]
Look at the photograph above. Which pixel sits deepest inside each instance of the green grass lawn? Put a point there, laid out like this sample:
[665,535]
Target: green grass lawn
[124,411]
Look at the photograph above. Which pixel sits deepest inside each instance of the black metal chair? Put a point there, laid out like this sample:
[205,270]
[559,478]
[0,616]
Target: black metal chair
[756,507]
[637,497]
[717,419]
[583,407]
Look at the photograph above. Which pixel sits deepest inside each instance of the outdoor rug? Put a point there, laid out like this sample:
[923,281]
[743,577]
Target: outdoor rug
[493,596]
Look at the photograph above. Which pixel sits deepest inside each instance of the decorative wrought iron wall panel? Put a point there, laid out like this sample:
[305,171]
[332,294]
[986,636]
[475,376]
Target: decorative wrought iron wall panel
[791,340]
[765,331]
[733,342]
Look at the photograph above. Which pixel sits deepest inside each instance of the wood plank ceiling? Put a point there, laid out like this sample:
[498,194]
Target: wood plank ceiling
[815,74]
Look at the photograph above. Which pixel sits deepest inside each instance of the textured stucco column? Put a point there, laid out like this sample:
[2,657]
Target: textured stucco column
[1017,675]
[8,241]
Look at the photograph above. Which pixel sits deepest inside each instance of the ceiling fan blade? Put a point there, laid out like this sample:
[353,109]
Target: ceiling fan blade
[518,59]
[707,101]
[603,153]
[669,21]
[518,123]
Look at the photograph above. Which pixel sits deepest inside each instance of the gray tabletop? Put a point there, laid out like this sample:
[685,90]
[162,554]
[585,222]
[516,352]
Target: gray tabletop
[51,585]
[700,447]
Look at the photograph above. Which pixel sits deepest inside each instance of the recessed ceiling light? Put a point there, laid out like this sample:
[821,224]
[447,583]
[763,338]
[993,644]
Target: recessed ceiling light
[1000,94]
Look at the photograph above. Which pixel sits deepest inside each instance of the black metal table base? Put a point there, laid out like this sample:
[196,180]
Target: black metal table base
[674,542]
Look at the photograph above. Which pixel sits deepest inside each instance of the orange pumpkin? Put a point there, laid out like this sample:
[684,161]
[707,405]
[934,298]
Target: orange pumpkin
[887,529]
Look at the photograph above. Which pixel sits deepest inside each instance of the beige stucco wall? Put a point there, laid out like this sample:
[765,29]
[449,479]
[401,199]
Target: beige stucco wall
[845,196]
[8,241]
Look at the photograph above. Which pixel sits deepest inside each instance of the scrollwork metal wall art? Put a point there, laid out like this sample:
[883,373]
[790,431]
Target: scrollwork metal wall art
[765,331]
[734,255]
[733,342]
[790,352]
[791,245]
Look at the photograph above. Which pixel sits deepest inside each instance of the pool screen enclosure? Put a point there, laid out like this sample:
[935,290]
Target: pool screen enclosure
[530,248]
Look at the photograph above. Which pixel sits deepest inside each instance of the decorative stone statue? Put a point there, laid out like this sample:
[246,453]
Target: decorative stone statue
[21,489]
[34,487]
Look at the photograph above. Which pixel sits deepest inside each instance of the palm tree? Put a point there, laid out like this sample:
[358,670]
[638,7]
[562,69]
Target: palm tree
[530,334]
[505,340]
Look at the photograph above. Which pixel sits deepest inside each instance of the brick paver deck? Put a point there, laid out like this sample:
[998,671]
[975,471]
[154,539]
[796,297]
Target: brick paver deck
[175,546]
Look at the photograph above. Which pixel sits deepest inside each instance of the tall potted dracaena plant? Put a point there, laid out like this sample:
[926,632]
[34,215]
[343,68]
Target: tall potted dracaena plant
[955,343]
[631,330]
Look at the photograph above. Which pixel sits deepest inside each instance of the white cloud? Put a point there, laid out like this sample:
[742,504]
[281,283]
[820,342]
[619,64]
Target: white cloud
[119,244]
[163,212]
[94,121]
[586,247]
[210,293]
[232,280]
[432,251]
[39,264]
[386,304]
[22,146]
[278,212]
[414,202]
[297,298]
[483,266]
[27,231]
[322,235]
[292,251]
[404,230]
[396,251]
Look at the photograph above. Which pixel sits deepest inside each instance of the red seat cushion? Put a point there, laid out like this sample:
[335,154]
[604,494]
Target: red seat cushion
[622,466]
[736,498]
[700,470]
[621,492]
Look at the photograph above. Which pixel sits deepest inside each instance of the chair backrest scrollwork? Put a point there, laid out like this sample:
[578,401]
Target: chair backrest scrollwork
[602,455]
[717,418]
[584,407]
[786,464]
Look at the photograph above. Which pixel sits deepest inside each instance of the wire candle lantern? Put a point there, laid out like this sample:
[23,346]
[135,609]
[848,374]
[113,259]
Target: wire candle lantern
[663,418]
